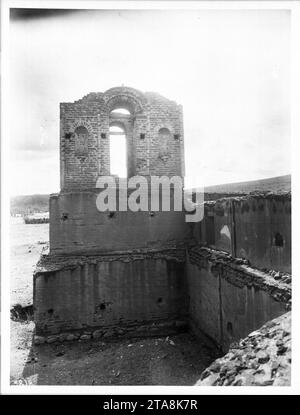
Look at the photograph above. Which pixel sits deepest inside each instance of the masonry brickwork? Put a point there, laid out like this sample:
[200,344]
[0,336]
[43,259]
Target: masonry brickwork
[154,133]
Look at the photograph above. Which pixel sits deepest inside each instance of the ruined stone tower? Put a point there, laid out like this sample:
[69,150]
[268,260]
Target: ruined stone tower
[154,133]
[106,270]
[150,272]
[154,141]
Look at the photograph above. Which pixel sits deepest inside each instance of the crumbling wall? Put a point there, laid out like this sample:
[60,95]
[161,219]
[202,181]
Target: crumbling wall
[253,227]
[107,291]
[228,299]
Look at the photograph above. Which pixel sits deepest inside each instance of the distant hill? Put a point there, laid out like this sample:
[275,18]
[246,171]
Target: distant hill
[25,205]
[273,184]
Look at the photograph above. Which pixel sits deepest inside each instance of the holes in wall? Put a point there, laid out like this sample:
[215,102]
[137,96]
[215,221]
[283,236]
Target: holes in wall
[50,311]
[111,214]
[229,328]
[278,239]
[159,301]
[68,135]
[103,135]
[102,307]
[176,136]
[142,136]
[64,216]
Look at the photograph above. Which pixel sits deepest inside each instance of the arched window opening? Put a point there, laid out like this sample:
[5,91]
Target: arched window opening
[81,130]
[164,143]
[164,132]
[81,141]
[115,130]
[117,138]
[122,111]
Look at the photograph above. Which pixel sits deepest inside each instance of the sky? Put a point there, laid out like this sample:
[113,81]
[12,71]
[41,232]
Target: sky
[230,70]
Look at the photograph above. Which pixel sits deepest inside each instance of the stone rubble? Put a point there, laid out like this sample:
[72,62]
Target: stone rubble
[263,358]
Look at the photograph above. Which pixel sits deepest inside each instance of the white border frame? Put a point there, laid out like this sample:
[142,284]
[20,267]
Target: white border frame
[6,388]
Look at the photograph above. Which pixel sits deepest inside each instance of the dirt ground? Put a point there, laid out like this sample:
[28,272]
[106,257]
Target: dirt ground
[172,360]
[27,243]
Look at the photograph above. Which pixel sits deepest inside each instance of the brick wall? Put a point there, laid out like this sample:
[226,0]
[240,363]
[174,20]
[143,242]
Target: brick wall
[146,153]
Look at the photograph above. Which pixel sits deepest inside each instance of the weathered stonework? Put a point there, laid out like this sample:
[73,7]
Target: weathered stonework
[154,133]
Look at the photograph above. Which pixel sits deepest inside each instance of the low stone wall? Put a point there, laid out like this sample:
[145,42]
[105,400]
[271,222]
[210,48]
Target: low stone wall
[113,290]
[133,330]
[228,299]
[263,358]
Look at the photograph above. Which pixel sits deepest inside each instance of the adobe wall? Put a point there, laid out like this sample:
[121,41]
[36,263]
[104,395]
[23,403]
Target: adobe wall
[77,226]
[228,299]
[253,227]
[259,221]
[109,291]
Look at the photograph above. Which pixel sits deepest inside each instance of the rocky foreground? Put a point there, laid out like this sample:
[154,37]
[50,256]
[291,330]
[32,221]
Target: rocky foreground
[261,359]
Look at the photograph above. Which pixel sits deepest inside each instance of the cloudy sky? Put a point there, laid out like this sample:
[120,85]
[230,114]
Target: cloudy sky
[229,70]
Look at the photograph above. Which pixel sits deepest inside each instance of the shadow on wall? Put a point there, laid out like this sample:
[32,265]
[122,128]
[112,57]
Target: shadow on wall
[236,298]
[256,228]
